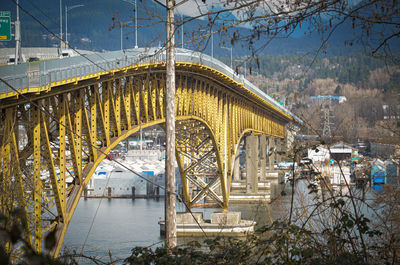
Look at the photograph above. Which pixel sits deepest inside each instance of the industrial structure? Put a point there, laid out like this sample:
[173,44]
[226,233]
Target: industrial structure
[60,118]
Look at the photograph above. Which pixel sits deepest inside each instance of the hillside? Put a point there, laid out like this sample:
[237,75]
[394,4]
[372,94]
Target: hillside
[288,69]
[370,87]
[95,26]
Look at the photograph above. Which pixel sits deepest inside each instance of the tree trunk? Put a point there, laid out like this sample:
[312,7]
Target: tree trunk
[170,200]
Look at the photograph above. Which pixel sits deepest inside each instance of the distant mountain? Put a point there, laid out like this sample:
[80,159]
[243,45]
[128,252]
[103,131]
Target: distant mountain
[95,26]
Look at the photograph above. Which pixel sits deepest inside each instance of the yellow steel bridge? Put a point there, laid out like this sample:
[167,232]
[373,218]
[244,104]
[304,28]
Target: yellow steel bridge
[60,118]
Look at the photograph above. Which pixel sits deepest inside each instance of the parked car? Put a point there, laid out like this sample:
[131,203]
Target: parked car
[33,59]
[11,59]
[67,53]
[305,161]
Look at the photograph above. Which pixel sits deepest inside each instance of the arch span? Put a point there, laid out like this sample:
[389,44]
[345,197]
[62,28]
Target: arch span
[196,187]
[50,139]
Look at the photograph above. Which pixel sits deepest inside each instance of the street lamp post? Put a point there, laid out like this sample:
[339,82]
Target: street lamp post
[66,20]
[135,4]
[182,28]
[17,36]
[61,34]
[229,48]
[212,42]
[136,46]
[212,45]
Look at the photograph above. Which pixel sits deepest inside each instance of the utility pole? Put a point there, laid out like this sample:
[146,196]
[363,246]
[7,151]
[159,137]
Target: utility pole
[66,22]
[136,26]
[17,27]
[61,22]
[121,30]
[229,48]
[136,46]
[182,28]
[170,200]
[212,45]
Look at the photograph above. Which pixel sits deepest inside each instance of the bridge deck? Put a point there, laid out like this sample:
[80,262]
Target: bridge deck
[60,119]
[43,76]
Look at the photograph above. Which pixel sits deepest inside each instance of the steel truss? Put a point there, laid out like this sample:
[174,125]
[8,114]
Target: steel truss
[52,142]
[197,160]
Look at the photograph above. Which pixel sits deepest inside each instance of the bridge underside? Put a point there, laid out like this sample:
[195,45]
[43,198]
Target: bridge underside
[51,143]
[197,158]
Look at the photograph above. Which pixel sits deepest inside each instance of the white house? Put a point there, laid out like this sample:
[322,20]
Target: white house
[341,151]
[340,177]
[320,154]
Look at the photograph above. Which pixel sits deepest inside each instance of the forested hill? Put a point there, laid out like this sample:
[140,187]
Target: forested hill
[91,27]
[94,26]
[369,88]
[357,69]
[288,69]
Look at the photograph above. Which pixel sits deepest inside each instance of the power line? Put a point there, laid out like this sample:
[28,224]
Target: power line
[98,149]
[43,13]
[94,217]
[58,37]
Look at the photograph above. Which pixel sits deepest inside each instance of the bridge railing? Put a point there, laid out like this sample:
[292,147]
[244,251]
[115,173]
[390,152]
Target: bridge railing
[59,70]
[197,57]
[69,68]
[15,75]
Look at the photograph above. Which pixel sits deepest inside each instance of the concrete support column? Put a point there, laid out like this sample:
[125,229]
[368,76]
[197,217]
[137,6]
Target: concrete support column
[285,148]
[278,150]
[252,163]
[236,168]
[263,156]
[271,153]
[273,178]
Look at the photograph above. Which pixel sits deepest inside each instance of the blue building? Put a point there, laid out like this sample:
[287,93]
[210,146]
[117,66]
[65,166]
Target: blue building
[378,174]
[392,172]
[384,172]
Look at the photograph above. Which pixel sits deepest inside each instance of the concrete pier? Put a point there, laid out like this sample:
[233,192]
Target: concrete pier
[271,153]
[236,168]
[252,164]
[221,223]
[259,181]
[277,157]
[263,156]
[274,178]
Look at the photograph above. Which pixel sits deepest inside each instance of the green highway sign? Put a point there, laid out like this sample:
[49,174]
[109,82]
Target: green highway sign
[5,25]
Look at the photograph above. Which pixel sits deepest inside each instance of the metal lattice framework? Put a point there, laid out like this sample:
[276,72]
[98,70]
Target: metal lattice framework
[52,141]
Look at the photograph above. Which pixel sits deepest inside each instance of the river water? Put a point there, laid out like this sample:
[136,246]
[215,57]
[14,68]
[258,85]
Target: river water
[118,225]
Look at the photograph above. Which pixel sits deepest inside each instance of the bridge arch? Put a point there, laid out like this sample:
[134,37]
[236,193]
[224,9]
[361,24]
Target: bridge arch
[51,133]
[203,134]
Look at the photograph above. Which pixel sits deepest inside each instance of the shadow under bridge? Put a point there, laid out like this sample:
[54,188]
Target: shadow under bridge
[56,131]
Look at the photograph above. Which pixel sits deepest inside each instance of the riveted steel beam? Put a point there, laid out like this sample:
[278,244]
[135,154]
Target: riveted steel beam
[49,137]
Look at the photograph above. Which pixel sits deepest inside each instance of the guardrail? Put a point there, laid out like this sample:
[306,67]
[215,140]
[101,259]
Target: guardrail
[52,71]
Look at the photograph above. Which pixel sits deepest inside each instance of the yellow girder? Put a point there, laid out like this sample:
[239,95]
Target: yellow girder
[74,123]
